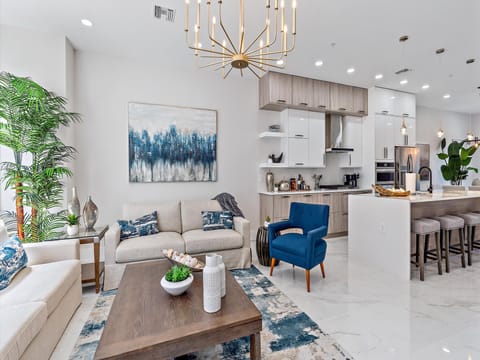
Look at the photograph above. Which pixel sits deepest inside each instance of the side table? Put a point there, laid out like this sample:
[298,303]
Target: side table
[90,236]
[263,250]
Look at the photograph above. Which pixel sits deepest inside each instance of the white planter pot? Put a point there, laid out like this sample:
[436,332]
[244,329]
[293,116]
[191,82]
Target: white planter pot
[72,230]
[176,288]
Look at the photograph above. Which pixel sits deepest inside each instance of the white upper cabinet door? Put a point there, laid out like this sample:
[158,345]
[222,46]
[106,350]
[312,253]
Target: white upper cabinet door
[384,137]
[298,124]
[406,105]
[297,152]
[385,101]
[316,141]
[352,138]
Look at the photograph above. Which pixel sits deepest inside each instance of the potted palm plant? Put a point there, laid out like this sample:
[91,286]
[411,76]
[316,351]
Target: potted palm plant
[72,224]
[177,280]
[457,160]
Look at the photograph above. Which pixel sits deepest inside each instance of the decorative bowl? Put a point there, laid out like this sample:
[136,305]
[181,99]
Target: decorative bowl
[176,288]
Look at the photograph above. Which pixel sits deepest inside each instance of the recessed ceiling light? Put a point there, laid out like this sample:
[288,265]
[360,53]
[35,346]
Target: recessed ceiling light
[392,97]
[378,76]
[447,350]
[318,63]
[351,70]
[425,86]
[279,62]
[87,22]
[446,96]
[199,45]
[403,82]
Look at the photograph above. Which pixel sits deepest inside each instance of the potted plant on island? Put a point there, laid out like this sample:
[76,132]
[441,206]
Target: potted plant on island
[72,224]
[457,160]
[177,280]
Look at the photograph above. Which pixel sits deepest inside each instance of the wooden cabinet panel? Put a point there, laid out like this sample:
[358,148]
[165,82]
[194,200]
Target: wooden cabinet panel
[302,91]
[360,101]
[281,206]
[275,91]
[266,207]
[321,95]
[341,98]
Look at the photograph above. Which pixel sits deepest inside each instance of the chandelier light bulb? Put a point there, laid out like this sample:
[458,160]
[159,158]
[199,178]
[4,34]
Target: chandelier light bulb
[403,129]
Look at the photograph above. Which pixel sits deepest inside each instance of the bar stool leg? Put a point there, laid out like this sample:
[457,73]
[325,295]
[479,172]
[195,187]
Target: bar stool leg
[417,250]
[462,245]
[439,253]
[420,259]
[447,247]
[425,248]
[468,230]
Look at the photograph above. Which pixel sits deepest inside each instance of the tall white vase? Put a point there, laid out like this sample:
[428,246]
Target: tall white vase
[221,266]
[211,284]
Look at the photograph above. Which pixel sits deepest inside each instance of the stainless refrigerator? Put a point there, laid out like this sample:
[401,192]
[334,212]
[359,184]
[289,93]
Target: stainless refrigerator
[409,159]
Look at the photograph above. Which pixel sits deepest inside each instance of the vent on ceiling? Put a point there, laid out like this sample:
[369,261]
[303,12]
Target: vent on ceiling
[164,13]
[402,71]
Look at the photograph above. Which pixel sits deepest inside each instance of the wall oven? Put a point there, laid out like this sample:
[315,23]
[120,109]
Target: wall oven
[385,173]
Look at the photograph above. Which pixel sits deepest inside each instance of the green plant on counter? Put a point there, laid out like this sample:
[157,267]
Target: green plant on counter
[457,159]
[267,218]
[72,219]
[178,273]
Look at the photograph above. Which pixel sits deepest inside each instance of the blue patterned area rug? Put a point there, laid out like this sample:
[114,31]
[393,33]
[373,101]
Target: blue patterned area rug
[288,333]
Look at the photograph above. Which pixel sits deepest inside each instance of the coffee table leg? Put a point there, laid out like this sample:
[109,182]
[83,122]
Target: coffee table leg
[255,351]
[96,256]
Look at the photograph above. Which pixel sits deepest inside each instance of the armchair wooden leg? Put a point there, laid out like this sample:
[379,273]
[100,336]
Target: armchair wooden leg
[307,274]
[323,269]
[272,265]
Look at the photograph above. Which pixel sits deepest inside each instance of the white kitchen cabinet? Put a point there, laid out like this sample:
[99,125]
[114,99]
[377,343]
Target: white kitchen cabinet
[391,102]
[409,138]
[384,137]
[405,105]
[297,123]
[316,139]
[297,152]
[352,138]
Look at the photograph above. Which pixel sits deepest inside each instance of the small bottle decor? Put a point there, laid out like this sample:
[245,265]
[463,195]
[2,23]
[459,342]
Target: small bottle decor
[211,284]
[90,214]
[74,203]
[221,266]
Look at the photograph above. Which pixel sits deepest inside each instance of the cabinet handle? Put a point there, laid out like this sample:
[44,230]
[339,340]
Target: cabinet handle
[327,194]
[384,111]
[304,103]
[405,139]
[324,159]
[285,196]
[386,148]
[299,135]
[350,159]
[308,195]
[281,101]
[405,114]
[361,111]
[342,109]
[384,152]
[299,163]
[321,106]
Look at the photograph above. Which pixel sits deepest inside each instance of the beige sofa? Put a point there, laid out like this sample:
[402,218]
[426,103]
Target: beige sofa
[38,304]
[180,225]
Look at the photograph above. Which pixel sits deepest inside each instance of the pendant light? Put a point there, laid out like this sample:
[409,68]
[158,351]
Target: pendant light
[440,133]
[403,129]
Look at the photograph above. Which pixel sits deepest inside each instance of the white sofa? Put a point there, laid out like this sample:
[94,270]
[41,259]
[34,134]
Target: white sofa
[181,228]
[38,304]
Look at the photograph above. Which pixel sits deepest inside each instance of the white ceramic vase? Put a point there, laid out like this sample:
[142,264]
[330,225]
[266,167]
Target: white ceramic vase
[212,285]
[72,229]
[176,288]
[221,266]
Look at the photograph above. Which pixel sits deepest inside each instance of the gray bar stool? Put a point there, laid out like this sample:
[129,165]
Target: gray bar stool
[448,223]
[472,220]
[426,227]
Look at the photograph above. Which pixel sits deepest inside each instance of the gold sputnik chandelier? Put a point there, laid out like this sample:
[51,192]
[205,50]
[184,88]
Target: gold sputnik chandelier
[267,50]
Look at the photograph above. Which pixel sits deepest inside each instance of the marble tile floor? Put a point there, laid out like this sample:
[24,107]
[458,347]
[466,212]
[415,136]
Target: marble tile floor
[372,315]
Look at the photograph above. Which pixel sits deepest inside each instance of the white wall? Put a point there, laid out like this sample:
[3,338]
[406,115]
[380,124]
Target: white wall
[103,87]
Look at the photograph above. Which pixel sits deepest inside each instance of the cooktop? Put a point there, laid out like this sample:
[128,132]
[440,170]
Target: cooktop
[335,187]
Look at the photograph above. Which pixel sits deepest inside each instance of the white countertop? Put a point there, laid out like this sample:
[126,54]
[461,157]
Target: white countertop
[312,191]
[436,196]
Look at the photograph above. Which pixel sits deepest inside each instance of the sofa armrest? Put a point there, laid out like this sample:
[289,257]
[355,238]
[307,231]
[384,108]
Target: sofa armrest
[51,251]
[242,226]
[112,239]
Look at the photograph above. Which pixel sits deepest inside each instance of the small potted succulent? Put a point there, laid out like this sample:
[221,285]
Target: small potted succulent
[267,221]
[177,280]
[72,224]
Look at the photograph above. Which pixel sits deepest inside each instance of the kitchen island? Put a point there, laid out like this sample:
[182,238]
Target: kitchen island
[379,227]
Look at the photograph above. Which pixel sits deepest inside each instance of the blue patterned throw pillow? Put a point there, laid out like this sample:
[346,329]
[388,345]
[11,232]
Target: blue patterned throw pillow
[13,258]
[145,225]
[214,220]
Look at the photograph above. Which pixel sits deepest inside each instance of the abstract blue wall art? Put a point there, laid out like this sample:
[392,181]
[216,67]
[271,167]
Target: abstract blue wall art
[171,144]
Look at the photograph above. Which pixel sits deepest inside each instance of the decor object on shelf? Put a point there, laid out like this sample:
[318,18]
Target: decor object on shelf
[212,284]
[72,224]
[221,266]
[258,53]
[143,226]
[171,144]
[305,250]
[390,192]
[269,180]
[274,128]
[275,159]
[90,214]
[31,119]
[457,159]
[74,204]
[177,280]
[267,221]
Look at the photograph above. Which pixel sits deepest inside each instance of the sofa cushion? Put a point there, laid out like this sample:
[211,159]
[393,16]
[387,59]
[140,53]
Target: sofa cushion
[46,282]
[199,241]
[18,327]
[168,214]
[148,247]
[13,258]
[145,225]
[3,234]
[214,220]
[192,212]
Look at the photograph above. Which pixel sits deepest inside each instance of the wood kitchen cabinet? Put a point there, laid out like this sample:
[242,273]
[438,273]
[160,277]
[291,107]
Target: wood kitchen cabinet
[275,91]
[302,92]
[341,98]
[360,101]
[321,95]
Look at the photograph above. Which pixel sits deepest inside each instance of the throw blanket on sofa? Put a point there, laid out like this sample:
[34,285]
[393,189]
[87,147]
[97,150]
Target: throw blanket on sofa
[228,203]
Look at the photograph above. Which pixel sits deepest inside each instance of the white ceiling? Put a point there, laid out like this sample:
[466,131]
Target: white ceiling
[365,32]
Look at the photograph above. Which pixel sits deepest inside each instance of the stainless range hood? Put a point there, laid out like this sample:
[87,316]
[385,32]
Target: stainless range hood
[334,134]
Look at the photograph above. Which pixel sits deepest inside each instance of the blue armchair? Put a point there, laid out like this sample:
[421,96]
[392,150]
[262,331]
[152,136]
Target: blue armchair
[305,250]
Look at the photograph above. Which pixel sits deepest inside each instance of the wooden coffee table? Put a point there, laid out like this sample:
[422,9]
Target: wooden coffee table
[147,323]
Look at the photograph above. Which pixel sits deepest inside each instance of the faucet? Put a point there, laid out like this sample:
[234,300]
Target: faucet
[430,188]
